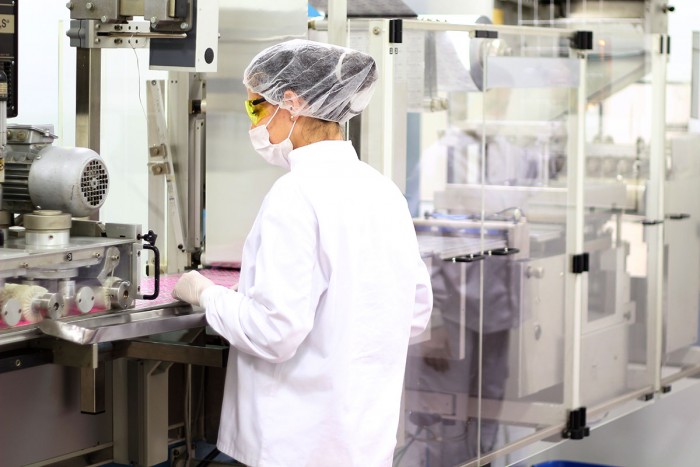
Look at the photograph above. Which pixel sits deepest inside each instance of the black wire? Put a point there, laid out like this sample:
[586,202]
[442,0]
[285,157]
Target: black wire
[210,457]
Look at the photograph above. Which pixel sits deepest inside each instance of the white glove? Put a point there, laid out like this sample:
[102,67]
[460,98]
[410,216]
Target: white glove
[190,287]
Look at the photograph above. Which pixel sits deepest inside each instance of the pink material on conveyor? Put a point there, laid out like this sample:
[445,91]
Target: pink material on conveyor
[224,277]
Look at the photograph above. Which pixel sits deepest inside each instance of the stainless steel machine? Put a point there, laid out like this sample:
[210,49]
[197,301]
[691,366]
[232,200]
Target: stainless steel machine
[89,357]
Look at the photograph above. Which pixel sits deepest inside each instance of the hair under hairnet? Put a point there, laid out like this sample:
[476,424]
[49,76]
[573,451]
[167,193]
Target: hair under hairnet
[334,83]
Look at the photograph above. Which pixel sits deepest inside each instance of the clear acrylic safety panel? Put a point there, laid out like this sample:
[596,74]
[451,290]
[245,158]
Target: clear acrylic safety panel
[531,88]
[444,191]
[491,213]
[615,349]
[681,280]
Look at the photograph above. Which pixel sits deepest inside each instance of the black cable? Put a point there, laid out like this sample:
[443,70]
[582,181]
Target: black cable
[210,457]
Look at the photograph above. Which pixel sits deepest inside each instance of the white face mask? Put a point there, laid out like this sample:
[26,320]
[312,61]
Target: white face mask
[275,154]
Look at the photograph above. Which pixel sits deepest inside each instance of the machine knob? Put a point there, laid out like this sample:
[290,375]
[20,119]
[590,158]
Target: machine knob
[534,272]
[85,300]
[11,312]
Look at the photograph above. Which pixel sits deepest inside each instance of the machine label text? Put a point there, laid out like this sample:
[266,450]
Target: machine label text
[7,24]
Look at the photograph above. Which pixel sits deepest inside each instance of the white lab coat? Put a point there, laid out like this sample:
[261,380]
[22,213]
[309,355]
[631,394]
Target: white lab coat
[332,286]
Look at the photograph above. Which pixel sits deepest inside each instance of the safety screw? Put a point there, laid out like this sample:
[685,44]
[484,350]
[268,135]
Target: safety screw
[184,26]
[89,5]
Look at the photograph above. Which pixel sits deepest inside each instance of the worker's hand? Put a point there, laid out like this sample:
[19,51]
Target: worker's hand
[190,287]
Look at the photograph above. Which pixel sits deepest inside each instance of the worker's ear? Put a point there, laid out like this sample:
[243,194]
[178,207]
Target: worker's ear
[293,102]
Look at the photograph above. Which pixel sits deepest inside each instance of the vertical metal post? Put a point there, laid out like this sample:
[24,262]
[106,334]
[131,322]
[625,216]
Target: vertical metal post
[695,83]
[140,411]
[88,98]
[656,208]
[337,22]
[178,137]
[92,390]
[88,88]
[157,204]
[378,118]
[165,158]
[575,285]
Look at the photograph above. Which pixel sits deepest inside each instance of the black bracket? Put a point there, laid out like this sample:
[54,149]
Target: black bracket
[652,222]
[470,258]
[481,34]
[579,263]
[504,251]
[666,389]
[582,40]
[677,216]
[395,31]
[576,427]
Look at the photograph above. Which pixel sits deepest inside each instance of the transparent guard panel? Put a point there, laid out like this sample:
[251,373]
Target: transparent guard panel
[615,351]
[493,221]
[441,386]
[681,356]
[529,104]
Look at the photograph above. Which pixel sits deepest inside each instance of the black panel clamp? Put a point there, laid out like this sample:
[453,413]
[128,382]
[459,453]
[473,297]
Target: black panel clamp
[395,31]
[504,251]
[481,34]
[582,40]
[470,258]
[576,426]
[579,263]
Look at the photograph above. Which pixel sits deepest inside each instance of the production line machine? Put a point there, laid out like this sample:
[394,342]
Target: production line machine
[54,266]
[56,260]
[87,342]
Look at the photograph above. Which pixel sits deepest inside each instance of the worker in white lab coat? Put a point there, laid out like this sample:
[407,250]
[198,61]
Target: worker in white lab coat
[332,284]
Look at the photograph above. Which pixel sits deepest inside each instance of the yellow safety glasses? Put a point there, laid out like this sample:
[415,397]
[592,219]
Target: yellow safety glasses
[256,111]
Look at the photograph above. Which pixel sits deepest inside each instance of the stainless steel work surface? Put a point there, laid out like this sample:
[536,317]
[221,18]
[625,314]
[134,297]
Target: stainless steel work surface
[118,326]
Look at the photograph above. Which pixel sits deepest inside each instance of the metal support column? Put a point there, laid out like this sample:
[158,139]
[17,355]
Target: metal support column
[337,22]
[384,120]
[575,299]
[654,231]
[88,98]
[140,411]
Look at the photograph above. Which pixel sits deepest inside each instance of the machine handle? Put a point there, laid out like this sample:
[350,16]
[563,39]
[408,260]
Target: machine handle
[150,237]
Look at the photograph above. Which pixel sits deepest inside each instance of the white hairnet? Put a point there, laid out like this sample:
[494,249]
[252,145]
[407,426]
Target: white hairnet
[334,83]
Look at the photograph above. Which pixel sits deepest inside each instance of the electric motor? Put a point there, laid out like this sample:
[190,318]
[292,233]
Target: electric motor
[41,176]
